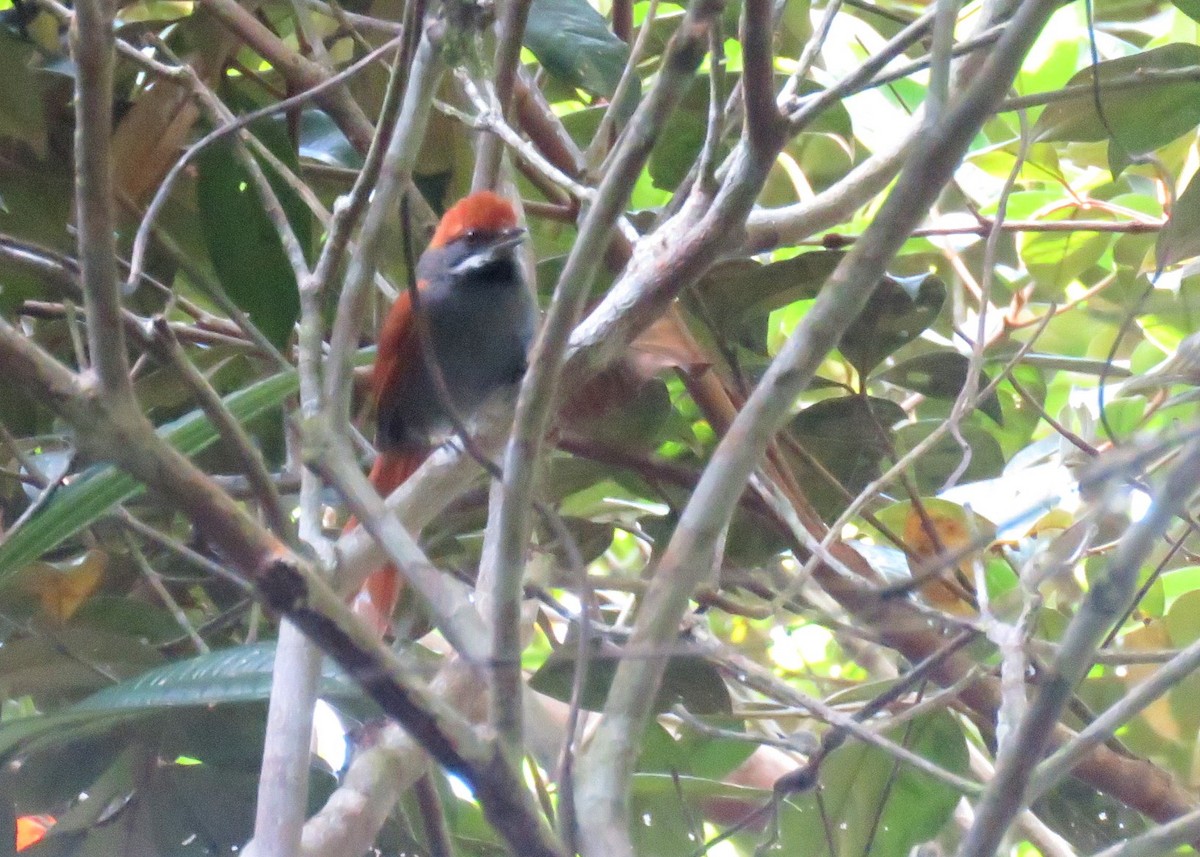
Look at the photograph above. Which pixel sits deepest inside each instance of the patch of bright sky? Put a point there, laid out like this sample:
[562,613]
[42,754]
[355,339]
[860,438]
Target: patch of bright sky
[800,648]
[875,116]
[329,736]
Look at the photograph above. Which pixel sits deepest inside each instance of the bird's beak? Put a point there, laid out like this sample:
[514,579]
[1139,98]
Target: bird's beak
[496,249]
[507,240]
[499,247]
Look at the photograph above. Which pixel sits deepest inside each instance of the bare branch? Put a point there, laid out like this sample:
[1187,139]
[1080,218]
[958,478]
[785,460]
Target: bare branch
[92,47]
[764,125]
[1104,604]
[394,174]
[696,544]
[141,240]
[283,782]
[1059,765]
[510,28]
[300,72]
[227,427]
[1161,840]
[505,550]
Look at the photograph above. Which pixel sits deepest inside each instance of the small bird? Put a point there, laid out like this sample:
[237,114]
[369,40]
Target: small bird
[480,318]
[1182,367]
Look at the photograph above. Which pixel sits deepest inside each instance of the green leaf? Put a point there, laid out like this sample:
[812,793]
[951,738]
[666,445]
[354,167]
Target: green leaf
[840,433]
[1191,8]
[591,539]
[94,492]
[573,42]
[739,291]
[208,803]
[1067,363]
[795,27]
[1180,238]
[679,145]
[941,375]
[241,674]
[131,617]
[1088,819]
[61,666]
[110,790]
[1057,259]
[1183,619]
[20,93]
[322,140]
[688,679]
[1141,118]
[868,798]
[857,779]
[713,756]
[36,205]
[238,674]
[244,246]
[154,10]
[897,313]
[936,464]
[636,415]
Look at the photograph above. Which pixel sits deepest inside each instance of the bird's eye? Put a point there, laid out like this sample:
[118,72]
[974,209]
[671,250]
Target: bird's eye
[471,234]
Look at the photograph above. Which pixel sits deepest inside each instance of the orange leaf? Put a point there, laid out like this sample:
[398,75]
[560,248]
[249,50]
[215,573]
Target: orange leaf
[943,530]
[63,587]
[666,344]
[31,829]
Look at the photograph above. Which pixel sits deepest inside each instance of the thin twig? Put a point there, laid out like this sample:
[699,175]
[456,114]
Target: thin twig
[1106,599]
[141,239]
[156,583]
[227,427]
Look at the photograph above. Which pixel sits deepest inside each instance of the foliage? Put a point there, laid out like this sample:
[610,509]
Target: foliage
[133,679]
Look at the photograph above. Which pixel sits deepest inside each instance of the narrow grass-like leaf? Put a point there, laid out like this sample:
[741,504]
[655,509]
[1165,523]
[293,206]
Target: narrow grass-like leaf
[98,489]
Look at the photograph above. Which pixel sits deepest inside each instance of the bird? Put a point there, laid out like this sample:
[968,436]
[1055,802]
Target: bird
[480,318]
[1182,367]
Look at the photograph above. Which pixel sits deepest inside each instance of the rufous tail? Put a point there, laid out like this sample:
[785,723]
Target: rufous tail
[377,599]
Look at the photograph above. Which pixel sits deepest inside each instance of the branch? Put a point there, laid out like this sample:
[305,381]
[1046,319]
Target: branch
[395,171]
[1159,840]
[789,225]
[764,125]
[1145,77]
[283,782]
[286,585]
[448,599]
[1103,606]
[695,546]
[621,93]
[282,792]
[1059,765]
[504,549]
[230,431]
[300,72]
[509,31]
[142,238]
[92,48]
[684,247]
